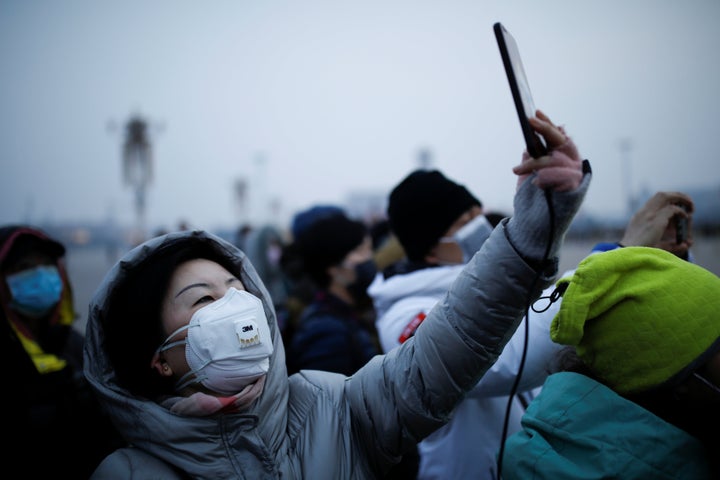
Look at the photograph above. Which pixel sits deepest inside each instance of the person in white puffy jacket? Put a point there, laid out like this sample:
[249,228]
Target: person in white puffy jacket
[184,351]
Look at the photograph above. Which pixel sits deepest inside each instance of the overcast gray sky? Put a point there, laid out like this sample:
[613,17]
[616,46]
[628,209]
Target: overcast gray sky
[339,97]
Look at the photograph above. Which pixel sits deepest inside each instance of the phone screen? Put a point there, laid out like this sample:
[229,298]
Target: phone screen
[520,89]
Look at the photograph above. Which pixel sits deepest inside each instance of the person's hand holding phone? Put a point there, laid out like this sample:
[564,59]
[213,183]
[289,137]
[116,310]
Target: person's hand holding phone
[561,168]
[656,223]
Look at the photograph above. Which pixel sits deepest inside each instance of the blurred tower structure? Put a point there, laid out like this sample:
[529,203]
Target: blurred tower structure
[260,194]
[252,202]
[137,161]
[425,158]
[626,146]
[240,189]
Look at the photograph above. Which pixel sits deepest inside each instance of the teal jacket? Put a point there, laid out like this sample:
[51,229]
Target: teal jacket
[580,429]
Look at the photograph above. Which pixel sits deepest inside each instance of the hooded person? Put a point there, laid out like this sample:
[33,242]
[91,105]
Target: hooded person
[640,392]
[43,354]
[263,246]
[184,350]
[440,224]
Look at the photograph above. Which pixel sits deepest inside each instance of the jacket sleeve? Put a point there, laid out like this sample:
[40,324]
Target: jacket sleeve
[400,316]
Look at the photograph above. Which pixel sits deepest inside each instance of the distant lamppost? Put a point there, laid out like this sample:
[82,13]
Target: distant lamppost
[240,188]
[259,190]
[137,166]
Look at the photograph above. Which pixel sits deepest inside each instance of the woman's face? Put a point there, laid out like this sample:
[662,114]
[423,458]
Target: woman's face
[194,284]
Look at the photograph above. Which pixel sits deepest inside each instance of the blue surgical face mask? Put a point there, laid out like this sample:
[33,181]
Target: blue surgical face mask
[471,236]
[35,291]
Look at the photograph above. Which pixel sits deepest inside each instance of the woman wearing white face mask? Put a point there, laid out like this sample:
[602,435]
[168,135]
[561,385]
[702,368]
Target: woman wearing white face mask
[227,342]
[196,403]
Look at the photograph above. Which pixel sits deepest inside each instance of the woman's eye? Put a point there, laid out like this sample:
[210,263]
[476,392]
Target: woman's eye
[205,299]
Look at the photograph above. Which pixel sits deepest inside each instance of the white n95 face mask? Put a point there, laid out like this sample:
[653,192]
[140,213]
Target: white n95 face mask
[471,236]
[228,345]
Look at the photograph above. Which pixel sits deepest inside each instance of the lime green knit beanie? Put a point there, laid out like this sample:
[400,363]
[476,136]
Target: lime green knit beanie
[639,317]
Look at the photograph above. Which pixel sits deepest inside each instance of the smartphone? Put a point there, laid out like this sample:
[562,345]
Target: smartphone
[681,227]
[520,89]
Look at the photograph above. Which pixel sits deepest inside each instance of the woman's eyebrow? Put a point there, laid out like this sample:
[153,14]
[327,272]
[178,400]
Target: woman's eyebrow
[227,282]
[191,286]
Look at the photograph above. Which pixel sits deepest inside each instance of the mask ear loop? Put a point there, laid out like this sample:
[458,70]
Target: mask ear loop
[185,380]
[155,361]
[168,345]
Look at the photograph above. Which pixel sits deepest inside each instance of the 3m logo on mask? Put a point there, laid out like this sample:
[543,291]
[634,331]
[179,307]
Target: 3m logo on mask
[247,333]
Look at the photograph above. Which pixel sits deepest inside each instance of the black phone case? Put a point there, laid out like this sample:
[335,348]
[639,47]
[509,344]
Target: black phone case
[534,144]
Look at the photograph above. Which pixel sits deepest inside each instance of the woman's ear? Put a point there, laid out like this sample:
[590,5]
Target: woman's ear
[160,366]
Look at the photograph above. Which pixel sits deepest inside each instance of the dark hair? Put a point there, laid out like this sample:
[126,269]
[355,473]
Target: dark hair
[325,243]
[133,326]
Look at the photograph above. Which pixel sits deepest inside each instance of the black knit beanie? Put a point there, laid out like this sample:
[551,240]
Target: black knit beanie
[422,207]
[326,242]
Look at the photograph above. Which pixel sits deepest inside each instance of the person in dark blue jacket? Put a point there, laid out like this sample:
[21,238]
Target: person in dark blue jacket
[333,332]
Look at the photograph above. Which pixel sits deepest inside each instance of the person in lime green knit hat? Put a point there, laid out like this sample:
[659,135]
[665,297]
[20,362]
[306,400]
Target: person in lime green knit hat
[639,391]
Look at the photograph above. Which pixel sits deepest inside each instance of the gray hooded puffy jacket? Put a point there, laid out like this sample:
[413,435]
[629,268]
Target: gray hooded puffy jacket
[321,425]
